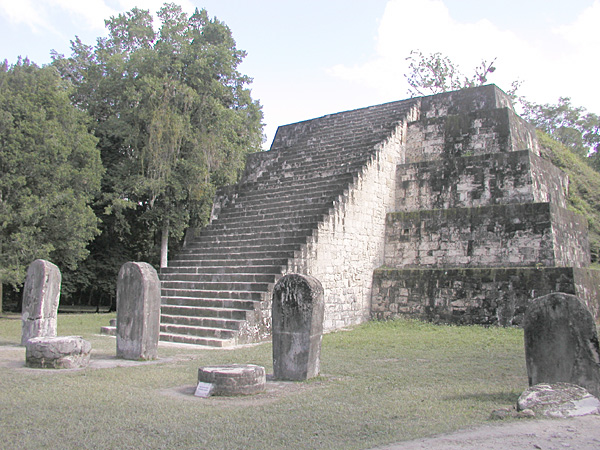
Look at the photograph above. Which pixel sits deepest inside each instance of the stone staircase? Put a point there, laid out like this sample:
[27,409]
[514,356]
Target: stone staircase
[217,289]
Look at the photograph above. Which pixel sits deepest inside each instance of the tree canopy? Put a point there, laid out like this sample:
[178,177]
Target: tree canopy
[174,119]
[50,171]
[572,126]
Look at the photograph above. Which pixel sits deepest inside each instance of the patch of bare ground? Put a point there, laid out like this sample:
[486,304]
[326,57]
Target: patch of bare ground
[580,433]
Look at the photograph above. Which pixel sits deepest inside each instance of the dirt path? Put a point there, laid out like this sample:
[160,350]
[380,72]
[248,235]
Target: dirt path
[581,433]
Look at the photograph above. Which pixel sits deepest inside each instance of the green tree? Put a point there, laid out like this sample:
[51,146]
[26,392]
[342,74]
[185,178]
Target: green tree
[50,170]
[174,118]
[572,126]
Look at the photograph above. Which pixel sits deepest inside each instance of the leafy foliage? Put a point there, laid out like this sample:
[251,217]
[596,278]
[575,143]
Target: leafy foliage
[584,185]
[50,171]
[174,119]
[572,126]
[435,73]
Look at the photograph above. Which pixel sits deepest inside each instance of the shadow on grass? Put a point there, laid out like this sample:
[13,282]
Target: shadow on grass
[497,397]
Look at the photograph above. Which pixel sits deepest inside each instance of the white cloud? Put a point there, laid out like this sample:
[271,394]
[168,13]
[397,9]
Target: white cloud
[153,5]
[579,63]
[93,12]
[560,62]
[24,11]
[427,26]
[583,33]
[38,15]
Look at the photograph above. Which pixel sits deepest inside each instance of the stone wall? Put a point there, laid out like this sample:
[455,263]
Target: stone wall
[516,235]
[475,133]
[348,245]
[464,101]
[549,183]
[500,178]
[483,296]
[570,236]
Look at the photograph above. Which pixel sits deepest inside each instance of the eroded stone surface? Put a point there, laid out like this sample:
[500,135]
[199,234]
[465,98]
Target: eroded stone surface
[298,309]
[561,343]
[558,400]
[63,352]
[138,311]
[234,379]
[41,295]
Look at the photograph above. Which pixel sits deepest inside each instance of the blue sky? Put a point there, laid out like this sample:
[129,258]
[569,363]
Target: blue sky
[313,57]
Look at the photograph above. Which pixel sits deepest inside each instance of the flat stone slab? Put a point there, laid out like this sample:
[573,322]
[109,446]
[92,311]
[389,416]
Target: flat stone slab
[63,352]
[234,379]
[559,400]
[108,330]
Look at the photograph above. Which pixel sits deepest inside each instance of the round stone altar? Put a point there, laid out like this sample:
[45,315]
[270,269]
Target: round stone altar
[63,352]
[234,379]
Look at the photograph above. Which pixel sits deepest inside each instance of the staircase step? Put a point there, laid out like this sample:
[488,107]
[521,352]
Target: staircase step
[289,201]
[207,311]
[258,238]
[204,332]
[216,255]
[279,192]
[212,286]
[222,270]
[238,247]
[259,222]
[205,294]
[219,277]
[226,262]
[196,340]
[208,322]
[251,187]
[302,210]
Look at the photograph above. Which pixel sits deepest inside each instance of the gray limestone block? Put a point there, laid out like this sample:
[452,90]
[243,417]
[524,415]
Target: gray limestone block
[297,319]
[138,311]
[561,342]
[558,400]
[63,352]
[41,295]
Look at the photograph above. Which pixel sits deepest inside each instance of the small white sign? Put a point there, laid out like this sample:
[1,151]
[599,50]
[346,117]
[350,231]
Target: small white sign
[204,389]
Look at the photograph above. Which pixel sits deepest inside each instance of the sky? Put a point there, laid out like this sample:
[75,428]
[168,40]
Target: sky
[309,58]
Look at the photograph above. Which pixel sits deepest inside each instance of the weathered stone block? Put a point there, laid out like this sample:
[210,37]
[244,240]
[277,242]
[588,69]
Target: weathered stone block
[561,342]
[138,311]
[63,352]
[449,135]
[298,310]
[470,181]
[488,295]
[41,295]
[234,379]
[511,235]
[559,400]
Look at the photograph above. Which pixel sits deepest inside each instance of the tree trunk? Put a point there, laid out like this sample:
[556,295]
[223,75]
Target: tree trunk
[1,298]
[164,245]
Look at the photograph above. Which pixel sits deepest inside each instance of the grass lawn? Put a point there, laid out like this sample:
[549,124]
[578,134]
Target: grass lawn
[381,382]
